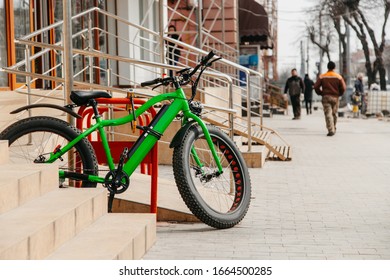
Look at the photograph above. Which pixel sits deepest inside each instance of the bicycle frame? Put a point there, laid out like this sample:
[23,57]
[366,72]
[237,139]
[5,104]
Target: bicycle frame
[147,140]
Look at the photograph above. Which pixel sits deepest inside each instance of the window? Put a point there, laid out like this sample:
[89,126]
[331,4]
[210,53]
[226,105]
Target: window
[3,45]
[22,27]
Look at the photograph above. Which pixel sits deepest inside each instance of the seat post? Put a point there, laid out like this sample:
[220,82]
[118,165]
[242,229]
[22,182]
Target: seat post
[93,103]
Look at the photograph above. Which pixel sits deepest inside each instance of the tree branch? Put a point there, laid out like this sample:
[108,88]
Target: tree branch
[386,16]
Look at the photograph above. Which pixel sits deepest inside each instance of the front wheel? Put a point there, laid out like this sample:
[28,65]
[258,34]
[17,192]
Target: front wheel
[220,201]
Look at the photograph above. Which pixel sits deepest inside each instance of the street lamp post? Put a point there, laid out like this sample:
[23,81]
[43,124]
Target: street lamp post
[347,3]
[348,54]
[321,53]
[68,58]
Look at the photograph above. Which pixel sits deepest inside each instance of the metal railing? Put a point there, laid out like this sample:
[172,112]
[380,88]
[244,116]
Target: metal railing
[238,90]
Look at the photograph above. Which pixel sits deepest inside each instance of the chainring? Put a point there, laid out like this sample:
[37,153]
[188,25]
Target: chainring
[117,182]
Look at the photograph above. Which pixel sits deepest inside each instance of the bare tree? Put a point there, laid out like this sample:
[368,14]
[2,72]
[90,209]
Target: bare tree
[335,9]
[386,58]
[354,13]
[320,31]
[314,38]
[357,19]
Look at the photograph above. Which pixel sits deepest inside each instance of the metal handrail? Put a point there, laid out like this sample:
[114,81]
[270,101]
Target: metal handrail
[191,49]
[56,24]
[166,38]
[41,52]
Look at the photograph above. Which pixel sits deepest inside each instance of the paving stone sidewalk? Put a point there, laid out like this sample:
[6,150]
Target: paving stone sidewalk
[332,201]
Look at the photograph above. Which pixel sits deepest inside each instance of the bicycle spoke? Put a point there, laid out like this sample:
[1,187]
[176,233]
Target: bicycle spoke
[217,192]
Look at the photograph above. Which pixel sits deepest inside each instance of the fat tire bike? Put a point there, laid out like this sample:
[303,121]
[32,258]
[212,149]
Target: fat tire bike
[209,170]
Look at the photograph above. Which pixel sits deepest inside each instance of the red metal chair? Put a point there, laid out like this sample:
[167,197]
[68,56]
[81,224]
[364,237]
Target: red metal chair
[150,163]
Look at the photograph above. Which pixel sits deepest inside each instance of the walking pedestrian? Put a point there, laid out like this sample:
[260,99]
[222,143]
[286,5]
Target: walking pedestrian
[294,86]
[330,86]
[359,91]
[308,93]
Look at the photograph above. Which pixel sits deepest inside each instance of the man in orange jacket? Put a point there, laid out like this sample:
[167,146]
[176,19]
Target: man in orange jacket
[330,86]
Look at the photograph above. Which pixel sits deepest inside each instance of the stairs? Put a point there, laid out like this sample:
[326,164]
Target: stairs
[260,135]
[41,221]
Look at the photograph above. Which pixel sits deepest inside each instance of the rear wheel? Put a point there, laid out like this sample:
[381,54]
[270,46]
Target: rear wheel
[220,201]
[33,139]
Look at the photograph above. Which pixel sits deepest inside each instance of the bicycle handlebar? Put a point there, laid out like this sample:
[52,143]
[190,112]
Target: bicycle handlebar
[150,83]
[203,62]
[206,59]
[164,81]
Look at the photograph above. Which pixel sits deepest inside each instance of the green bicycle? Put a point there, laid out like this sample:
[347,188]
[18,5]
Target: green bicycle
[209,170]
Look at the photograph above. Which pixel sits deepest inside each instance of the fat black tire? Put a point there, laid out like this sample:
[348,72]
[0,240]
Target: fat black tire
[48,128]
[199,195]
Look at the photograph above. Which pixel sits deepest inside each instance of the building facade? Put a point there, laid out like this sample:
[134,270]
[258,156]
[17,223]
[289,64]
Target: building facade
[219,18]
[21,17]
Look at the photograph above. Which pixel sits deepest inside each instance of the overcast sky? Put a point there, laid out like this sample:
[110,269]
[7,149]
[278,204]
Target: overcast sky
[291,27]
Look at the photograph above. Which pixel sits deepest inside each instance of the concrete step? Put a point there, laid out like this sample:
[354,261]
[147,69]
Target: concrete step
[136,199]
[267,114]
[4,153]
[22,183]
[112,237]
[256,157]
[37,218]
[278,111]
[35,229]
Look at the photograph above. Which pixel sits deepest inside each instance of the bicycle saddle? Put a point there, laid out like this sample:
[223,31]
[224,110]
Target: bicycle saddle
[83,97]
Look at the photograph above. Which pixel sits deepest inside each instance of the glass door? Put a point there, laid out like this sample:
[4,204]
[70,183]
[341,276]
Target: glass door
[22,27]
[80,63]
[3,45]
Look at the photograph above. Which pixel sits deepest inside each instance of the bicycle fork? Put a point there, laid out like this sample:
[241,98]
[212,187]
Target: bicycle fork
[211,146]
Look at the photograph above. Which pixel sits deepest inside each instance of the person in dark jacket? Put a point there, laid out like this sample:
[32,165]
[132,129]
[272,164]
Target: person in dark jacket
[173,49]
[294,86]
[308,93]
[359,90]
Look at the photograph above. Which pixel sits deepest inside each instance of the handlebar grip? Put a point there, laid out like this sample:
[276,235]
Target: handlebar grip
[150,83]
[207,58]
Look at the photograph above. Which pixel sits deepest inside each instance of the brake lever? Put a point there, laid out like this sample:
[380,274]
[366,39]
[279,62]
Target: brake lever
[184,70]
[158,85]
[163,83]
[214,60]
